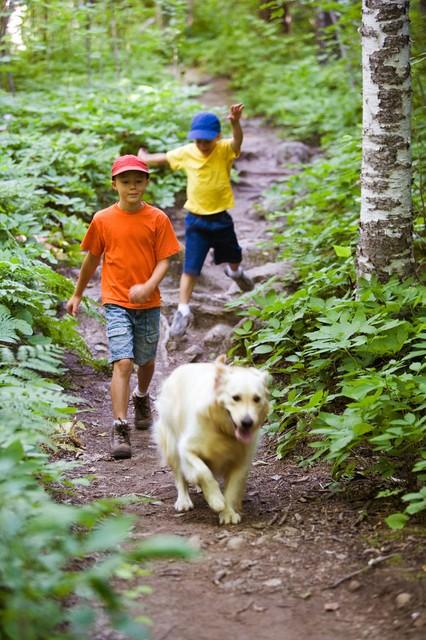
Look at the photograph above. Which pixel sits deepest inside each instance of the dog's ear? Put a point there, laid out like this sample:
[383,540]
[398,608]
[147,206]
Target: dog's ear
[267,378]
[220,371]
[264,376]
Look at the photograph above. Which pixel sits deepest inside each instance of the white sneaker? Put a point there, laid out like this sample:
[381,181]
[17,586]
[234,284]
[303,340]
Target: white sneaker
[243,281]
[180,323]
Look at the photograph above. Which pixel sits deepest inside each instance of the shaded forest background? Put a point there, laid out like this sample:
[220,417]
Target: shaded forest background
[82,82]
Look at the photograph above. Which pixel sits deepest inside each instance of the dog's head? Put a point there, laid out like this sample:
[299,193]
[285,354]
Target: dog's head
[243,393]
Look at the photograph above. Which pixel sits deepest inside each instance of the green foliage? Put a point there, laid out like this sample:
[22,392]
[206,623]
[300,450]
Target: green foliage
[47,554]
[287,77]
[56,560]
[59,137]
[349,363]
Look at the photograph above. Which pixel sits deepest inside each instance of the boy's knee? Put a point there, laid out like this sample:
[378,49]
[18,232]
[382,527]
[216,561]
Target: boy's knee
[124,366]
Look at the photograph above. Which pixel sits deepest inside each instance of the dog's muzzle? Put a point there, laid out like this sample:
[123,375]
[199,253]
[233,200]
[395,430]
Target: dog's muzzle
[244,429]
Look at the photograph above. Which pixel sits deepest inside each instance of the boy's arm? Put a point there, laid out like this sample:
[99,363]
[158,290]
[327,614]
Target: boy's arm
[156,159]
[141,292]
[234,116]
[87,270]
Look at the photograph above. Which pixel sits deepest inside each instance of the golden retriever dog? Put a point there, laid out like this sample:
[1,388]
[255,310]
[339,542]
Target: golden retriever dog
[209,416]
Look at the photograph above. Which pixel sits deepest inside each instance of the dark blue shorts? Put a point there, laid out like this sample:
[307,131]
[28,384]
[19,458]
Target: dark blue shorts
[202,233]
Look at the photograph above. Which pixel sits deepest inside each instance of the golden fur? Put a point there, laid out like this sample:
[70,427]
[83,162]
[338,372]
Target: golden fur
[208,428]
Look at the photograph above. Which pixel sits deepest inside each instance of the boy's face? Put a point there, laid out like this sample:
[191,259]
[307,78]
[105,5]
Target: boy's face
[206,146]
[130,186]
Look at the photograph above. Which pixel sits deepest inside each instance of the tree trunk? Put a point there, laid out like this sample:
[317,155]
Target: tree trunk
[386,244]
[114,39]
[279,11]
[326,38]
[6,9]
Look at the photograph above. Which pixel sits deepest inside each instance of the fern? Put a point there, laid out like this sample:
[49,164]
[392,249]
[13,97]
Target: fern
[10,327]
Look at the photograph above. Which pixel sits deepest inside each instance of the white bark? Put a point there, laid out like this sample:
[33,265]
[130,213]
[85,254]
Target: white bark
[385,245]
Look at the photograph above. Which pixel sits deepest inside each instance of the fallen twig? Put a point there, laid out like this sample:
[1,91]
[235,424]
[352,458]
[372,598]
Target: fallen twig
[370,565]
[284,515]
[247,606]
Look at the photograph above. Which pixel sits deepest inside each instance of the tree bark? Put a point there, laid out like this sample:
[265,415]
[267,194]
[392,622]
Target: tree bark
[327,42]
[267,14]
[386,245]
[7,8]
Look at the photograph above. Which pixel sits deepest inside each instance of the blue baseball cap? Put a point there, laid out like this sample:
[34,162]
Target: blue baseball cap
[204,126]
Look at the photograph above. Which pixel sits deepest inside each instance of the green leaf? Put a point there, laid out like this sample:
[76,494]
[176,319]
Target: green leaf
[342,252]
[263,348]
[109,534]
[397,520]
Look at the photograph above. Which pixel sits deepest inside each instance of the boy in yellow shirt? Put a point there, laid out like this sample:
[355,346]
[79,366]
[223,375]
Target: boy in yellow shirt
[207,162]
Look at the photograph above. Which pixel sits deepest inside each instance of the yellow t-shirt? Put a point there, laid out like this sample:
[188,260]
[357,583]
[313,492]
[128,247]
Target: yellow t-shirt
[209,183]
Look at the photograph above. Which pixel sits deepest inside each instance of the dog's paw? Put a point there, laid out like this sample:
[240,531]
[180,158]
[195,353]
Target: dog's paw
[229,516]
[184,504]
[216,502]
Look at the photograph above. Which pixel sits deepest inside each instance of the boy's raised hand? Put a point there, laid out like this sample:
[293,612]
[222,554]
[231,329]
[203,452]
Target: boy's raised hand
[143,154]
[235,111]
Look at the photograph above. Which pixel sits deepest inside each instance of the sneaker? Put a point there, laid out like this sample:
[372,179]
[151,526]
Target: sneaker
[143,415]
[243,281]
[120,440]
[180,323]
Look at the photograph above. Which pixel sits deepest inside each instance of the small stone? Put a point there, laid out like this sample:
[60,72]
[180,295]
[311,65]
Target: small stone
[195,541]
[236,542]
[273,582]
[354,585]
[194,352]
[420,622]
[331,606]
[402,600]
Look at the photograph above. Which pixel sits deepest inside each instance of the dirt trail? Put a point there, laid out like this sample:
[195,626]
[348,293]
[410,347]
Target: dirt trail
[274,576]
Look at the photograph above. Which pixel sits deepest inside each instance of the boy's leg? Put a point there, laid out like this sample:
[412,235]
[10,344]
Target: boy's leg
[186,287]
[183,316]
[227,249]
[197,245]
[120,339]
[145,373]
[147,333]
[120,388]
[141,399]
[120,392]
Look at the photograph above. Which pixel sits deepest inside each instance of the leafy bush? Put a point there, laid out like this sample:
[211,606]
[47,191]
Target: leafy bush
[56,560]
[349,363]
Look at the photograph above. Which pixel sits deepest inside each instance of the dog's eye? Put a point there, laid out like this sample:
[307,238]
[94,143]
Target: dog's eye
[236,398]
[256,398]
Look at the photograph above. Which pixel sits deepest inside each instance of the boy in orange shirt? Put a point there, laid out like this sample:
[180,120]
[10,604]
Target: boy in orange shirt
[134,241]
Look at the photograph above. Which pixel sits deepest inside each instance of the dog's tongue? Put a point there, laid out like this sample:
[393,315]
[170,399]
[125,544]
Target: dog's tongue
[243,435]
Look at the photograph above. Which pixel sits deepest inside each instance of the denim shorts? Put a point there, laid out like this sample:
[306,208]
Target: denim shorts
[132,333]
[210,231]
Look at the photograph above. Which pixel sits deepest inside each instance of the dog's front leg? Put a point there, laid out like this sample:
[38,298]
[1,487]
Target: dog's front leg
[197,472]
[235,484]
[183,502]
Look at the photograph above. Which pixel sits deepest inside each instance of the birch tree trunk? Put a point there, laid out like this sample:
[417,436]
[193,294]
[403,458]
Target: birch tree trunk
[386,244]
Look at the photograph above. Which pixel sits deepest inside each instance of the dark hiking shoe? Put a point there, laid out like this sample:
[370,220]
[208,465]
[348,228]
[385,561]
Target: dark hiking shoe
[143,415]
[243,281]
[120,440]
[180,324]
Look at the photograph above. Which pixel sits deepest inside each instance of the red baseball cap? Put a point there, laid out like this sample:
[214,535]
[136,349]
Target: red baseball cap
[128,163]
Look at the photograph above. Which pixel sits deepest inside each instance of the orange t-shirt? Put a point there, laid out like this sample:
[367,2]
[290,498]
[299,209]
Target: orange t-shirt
[131,244]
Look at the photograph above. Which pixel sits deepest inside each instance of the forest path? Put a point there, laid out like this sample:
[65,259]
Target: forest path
[268,578]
